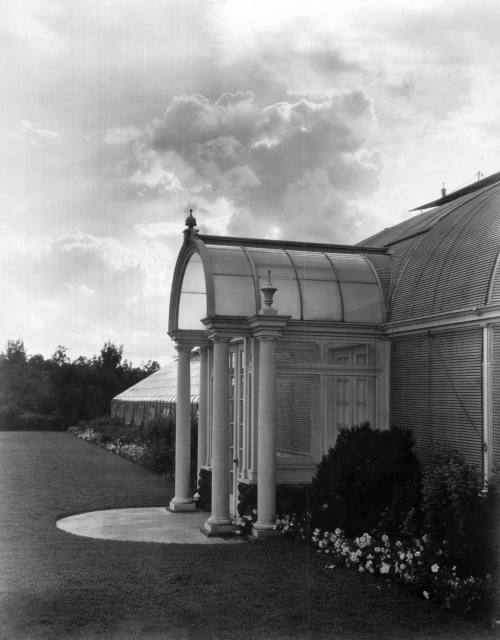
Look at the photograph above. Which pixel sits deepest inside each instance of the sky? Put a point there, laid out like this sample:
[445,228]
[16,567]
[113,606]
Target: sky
[303,120]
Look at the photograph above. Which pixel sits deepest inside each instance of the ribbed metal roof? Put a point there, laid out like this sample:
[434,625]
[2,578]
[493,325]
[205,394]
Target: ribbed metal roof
[445,259]
[162,385]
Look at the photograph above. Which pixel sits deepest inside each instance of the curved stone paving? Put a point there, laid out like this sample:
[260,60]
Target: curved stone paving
[151,524]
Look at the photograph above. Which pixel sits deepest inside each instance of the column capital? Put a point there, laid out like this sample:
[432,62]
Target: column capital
[267,337]
[220,337]
[267,327]
[183,345]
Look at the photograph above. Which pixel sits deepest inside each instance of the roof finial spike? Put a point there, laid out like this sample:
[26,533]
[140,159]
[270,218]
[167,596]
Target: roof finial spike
[443,191]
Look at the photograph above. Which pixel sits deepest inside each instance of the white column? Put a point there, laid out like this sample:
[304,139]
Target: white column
[182,500]
[266,439]
[203,408]
[219,520]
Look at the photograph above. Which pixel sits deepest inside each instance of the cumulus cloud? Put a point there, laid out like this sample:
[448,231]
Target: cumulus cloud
[34,134]
[264,160]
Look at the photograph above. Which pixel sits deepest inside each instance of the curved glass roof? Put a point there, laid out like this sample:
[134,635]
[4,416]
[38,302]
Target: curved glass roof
[311,285]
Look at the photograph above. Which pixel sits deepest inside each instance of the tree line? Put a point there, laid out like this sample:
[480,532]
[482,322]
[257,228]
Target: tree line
[55,392]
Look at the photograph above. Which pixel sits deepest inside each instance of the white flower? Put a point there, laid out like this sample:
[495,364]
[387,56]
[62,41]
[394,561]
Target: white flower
[337,531]
[425,594]
[385,538]
[384,568]
[435,568]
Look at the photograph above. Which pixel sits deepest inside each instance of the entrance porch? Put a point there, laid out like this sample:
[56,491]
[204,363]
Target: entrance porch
[290,351]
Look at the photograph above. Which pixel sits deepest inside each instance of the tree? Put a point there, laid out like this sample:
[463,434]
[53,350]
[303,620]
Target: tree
[110,356]
[60,356]
[15,353]
[150,367]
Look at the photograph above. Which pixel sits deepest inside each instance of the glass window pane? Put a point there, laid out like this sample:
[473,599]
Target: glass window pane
[286,299]
[194,276]
[361,302]
[357,354]
[229,261]
[352,268]
[321,300]
[234,296]
[192,308]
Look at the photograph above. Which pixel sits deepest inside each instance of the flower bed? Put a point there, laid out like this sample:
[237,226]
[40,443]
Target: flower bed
[417,563]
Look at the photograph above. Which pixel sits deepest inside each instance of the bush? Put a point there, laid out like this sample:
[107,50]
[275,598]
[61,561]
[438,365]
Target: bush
[160,429]
[204,489]
[109,429]
[370,478]
[457,510]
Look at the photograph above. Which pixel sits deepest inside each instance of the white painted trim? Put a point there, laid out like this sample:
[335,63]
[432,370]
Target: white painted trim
[474,316]
[487,403]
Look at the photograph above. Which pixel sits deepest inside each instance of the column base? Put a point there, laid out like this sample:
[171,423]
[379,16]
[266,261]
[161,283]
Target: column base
[223,527]
[185,505]
[263,530]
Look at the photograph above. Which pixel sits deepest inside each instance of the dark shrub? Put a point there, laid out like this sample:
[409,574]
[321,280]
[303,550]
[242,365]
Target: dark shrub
[369,475]
[247,498]
[161,429]
[159,434]
[205,489]
[292,498]
[110,429]
[456,509]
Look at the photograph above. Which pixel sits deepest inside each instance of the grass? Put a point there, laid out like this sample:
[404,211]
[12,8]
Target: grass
[55,585]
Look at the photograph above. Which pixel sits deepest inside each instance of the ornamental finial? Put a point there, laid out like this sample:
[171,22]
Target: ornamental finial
[190,223]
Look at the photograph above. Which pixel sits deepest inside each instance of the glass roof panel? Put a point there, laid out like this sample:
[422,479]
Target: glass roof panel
[229,261]
[274,259]
[352,268]
[234,295]
[312,265]
[361,302]
[321,300]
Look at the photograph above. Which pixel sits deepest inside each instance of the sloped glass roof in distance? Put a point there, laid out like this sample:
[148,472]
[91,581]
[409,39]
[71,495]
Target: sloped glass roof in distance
[311,285]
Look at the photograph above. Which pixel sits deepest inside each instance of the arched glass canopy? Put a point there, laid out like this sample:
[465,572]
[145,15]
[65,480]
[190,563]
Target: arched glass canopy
[315,285]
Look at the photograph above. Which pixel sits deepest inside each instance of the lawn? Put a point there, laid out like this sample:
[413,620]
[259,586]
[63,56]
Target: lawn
[55,585]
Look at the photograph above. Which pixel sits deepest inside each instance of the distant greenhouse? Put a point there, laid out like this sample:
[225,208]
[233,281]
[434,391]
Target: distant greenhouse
[155,395]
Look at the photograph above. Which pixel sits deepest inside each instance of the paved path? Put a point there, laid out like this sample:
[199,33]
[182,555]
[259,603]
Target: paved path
[149,524]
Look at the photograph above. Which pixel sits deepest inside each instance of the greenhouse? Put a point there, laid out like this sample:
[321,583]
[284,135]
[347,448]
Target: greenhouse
[294,341]
[156,395]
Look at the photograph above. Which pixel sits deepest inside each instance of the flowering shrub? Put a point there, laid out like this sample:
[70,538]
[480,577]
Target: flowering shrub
[457,509]
[152,446]
[416,563]
[294,526]
[244,523]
